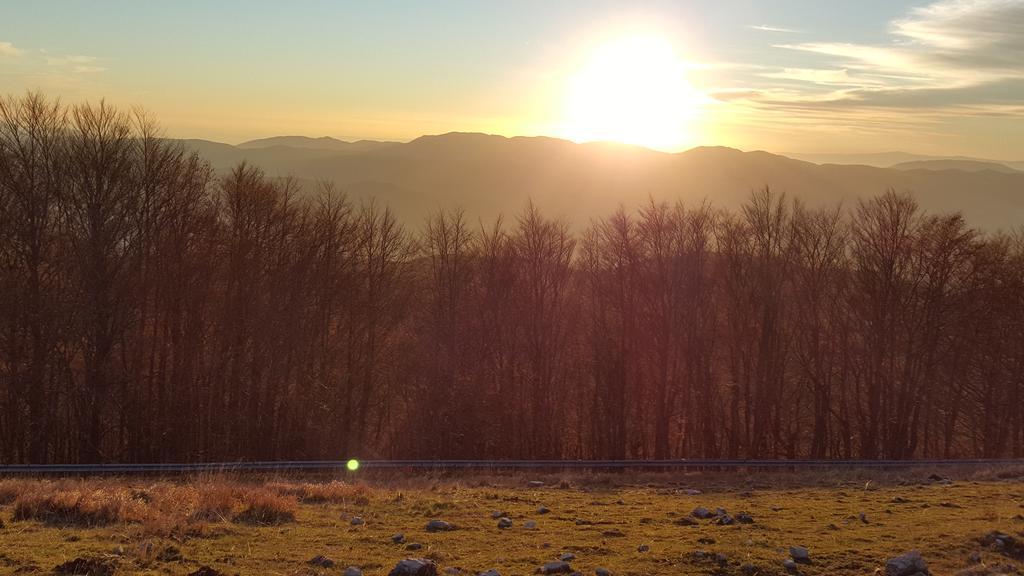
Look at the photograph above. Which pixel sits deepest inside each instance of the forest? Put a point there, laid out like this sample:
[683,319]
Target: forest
[152,310]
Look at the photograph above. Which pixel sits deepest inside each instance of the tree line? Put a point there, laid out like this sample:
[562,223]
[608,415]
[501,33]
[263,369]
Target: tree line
[152,310]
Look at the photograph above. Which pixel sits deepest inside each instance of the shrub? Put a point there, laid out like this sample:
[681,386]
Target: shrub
[80,506]
[265,507]
[11,488]
[214,502]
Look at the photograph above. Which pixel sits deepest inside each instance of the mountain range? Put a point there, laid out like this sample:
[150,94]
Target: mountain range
[489,175]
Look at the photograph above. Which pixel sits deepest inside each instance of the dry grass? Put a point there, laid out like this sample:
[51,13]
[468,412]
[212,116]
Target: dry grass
[10,488]
[163,508]
[265,508]
[334,492]
[81,505]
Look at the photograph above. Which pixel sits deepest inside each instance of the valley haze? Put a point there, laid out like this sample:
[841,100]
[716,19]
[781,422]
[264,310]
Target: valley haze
[489,175]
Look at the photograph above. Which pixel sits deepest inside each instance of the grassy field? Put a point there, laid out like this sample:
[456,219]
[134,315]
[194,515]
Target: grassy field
[850,523]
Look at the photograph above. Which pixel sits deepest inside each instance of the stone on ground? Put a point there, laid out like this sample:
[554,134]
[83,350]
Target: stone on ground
[908,564]
[439,526]
[414,567]
[560,567]
[800,554]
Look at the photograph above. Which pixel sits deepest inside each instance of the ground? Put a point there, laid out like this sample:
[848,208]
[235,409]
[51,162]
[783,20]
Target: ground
[604,521]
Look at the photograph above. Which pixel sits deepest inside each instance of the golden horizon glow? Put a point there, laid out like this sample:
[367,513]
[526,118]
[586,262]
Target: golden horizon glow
[633,90]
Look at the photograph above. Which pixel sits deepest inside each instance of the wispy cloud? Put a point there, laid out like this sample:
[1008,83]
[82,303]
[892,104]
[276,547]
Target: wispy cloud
[8,49]
[951,58]
[766,28]
[950,44]
[75,63]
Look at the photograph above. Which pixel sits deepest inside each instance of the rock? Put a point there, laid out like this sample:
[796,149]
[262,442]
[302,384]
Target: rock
[582,522]
[705,540]
[353,571]
[439,526]
[560,567]
[744,518]
[721,512]
[789,565]
[321,561]
[504,523]
[899,500]
[974,558]
[530,525]
[1004,544]
[725,520]
[412,546]
[535,484]
[496,515]
[543,510]
[692,492]
[602,572]
[86,567]
[909,564]
[800,554]
[357,521]
[206,571]
[567,557]
[414,567]
[491,572]
[749,569]
[398,538]
[686,521]
[613,533]
[863,517]
[722,559]
[643,548]
[702,513]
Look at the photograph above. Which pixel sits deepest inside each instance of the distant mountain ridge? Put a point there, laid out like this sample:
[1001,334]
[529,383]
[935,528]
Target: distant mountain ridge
[966,165]
[891,159]
[490,175]
[322,143]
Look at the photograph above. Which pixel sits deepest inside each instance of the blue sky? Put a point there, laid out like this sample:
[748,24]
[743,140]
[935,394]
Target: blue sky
[934,77]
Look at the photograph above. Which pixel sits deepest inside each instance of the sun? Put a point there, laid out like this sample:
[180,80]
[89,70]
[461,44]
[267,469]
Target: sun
[632,90]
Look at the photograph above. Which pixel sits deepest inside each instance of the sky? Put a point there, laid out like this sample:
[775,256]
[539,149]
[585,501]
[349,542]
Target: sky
[939,77]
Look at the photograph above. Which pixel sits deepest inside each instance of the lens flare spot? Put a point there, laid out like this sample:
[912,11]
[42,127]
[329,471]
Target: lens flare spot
[352,465]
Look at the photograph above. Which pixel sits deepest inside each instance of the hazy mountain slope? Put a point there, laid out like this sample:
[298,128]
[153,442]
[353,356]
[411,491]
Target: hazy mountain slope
[891,159]
[967,165]
[275,160]
[491,175]
[322,143]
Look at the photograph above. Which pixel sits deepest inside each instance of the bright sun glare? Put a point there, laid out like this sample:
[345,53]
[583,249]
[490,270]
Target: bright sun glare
[632,90]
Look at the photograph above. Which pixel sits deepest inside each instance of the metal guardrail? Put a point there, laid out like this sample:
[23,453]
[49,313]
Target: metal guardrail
[340,465]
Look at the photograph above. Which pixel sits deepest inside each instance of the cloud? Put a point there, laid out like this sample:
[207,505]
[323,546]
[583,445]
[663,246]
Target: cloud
[734,94]
[765,28]
[830,77]
[948,44]
[8,49]
[75,63]
[69,59]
